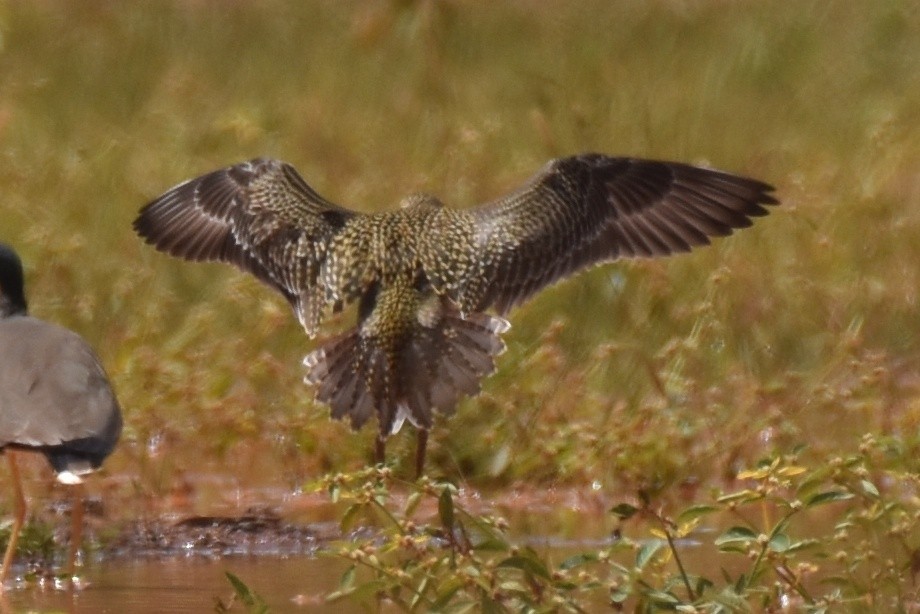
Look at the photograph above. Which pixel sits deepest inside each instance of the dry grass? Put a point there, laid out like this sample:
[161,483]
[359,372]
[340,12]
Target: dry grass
[802,330]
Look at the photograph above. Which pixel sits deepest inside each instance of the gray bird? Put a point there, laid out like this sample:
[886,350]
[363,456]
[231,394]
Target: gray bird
[424,276]
[55,399]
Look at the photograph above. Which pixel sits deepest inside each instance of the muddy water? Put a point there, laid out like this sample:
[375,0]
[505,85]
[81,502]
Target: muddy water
[171,553]
[180,566]
[187,585]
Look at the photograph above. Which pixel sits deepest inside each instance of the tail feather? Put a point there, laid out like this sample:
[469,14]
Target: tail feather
[431,370]
[330,369]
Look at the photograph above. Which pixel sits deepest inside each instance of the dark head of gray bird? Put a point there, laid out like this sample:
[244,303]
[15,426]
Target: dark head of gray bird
[12,292]
[425,275]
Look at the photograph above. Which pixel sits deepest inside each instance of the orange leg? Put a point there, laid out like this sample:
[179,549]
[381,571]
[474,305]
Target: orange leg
[76,528]
[19,514]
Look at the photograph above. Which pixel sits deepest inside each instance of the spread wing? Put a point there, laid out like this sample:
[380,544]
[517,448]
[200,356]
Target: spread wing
[592,208]
[260,216]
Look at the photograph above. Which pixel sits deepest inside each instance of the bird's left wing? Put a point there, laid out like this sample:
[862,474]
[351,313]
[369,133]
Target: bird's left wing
[592,208]
[260,216]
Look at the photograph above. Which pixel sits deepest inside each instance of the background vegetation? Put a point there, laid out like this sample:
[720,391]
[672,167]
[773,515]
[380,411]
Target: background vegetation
[794,338]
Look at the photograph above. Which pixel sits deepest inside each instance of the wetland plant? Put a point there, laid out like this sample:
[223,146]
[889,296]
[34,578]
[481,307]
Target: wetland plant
[809,536]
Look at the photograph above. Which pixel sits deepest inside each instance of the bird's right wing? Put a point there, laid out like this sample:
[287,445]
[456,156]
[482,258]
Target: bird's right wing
[260,216]
[588,209]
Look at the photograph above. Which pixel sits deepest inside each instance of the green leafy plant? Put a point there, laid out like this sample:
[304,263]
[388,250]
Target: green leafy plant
[793,536]
[460,560]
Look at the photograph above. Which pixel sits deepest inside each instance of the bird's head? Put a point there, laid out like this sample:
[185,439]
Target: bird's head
[12,295]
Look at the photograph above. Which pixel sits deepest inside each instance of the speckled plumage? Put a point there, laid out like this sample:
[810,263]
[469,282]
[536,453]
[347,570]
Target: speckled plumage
[425,275]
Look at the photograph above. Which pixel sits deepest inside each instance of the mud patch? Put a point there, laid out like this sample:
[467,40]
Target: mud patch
[257,532]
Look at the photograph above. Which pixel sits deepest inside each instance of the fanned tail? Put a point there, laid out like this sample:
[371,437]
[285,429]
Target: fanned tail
[439,365]
[430,370]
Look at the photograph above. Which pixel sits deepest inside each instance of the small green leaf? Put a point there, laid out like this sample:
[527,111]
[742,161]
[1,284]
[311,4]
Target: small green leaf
[412,502]
[577,561]
[624,511]
[647,551]
[691,517]
[527,563]
[252,600]
[801,545]
[619,594]
[694,513]
[662,598]
[736,535]
[491,545]
[870,489]
[754,474]
[488,537]
[239,587]
[779,542]
[364,592]
[446,509]
[348,578]
[419,593]
[742,496]
[349,516]
[740,584]
[445,593]
[828,496]
[780,526]
[702,585]
[813,480]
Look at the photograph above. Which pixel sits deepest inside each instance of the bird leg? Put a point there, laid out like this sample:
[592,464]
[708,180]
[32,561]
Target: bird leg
[420,449]
[76,528]
[19,514]
[380,449]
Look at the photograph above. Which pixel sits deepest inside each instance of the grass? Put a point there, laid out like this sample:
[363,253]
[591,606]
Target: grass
[669,377]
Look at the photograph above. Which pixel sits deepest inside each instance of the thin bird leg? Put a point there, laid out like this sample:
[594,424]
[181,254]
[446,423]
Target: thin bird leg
[19,514]
[76,528]
[380,449]
[420,450]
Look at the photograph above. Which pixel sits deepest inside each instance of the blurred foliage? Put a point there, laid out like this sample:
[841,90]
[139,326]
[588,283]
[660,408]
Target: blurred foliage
[796,539]
[36,541]
[670,377]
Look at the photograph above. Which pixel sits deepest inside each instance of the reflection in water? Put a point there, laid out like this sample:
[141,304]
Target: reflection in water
[192,585]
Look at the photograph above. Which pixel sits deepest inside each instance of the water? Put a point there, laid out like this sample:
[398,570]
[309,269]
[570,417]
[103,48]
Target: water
[181,586]
[168,555]
[176,561]
[172,555]
[187,570]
